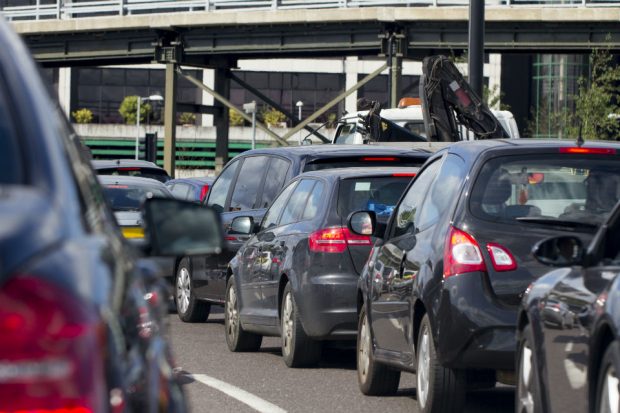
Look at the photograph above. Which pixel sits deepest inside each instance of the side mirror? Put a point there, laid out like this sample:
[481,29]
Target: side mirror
[559,251]
[362,222]
[177,228]
[242,225]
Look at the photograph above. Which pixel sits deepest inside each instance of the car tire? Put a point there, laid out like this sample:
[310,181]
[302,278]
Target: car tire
[374,379]
[528,397]
[237,338]
[189,308]
[298,350]
[439,389]
[607,383]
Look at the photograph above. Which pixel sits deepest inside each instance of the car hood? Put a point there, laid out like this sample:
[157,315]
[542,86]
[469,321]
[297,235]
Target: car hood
[29,224]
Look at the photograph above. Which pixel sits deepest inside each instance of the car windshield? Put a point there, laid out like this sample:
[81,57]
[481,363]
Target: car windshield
[129,198]
[157,174]
[371,194]
[572,190]
[346,134]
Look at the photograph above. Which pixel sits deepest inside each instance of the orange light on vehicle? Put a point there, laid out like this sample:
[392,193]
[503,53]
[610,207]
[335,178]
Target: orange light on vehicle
[408,101]
[590,151]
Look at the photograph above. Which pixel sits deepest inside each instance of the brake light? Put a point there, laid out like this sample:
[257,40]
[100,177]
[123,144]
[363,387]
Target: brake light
[590,151]
[501,258]
[461,254]
[203,192]
[335,240]
[404,174]
[51,350]
[128,169]
[379,159]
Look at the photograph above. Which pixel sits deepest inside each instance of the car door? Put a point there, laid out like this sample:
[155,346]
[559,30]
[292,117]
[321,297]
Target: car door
[390,288]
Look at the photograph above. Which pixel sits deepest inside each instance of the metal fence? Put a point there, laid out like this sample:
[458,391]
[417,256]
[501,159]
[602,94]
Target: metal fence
[69,9]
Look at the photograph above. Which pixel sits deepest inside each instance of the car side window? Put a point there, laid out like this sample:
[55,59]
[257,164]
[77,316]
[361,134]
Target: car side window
[443,193]
[275,179]
[408,210]
[312,206]
[248,183]
[273,213]
[180,191]
[219,190]
[295,206]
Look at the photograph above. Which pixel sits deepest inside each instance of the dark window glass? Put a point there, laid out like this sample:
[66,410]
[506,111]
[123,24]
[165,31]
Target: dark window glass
[313,205]
[371,194]
[295,206]
[113,77]
[137,77]
[408,210]
[158,174]
[357,162]
[219,190]
[11,167]
[276,176]
[443,193]
[180,191]
[271,217]
[248,183]
[129,198]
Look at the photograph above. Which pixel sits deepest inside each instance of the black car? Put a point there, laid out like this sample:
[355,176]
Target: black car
[247,186]
[568,342]
[131,167]
[191,189]
[80,321]
[297,275]
[442,287]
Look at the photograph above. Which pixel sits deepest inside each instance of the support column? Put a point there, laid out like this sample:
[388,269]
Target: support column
[65,87]
[170,119]
[207,99]
[220,120]
[396,71]
[351,69]
[476,45]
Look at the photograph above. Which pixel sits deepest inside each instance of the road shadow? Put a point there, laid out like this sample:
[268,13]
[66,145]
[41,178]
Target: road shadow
[499,399]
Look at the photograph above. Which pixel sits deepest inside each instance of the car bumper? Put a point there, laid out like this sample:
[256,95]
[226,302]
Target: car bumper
[474,331]
[327,306]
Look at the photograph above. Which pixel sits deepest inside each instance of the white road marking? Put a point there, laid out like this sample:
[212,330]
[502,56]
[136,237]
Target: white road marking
[243,396]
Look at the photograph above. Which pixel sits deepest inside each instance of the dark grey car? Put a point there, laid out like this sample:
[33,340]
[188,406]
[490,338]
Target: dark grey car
[297,275]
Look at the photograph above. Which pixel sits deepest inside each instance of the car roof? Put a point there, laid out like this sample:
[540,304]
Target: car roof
[130,180]
[346,173]
[193,179]
[115,163]
[335,151]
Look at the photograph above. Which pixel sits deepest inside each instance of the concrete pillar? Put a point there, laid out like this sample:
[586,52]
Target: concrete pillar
[351,78]
[170,119]
[516,84]
[208,78]
[222,86]
[64,90]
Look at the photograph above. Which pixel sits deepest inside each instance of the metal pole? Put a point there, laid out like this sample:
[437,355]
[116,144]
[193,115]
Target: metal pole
[170,119]
[138,126]
[254,129]
[476,45]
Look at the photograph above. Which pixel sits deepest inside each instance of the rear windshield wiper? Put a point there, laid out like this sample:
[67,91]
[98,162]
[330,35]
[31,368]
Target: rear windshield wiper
[558,222]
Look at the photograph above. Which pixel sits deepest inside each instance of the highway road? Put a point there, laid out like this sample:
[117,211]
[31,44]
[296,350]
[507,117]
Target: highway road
[217,380]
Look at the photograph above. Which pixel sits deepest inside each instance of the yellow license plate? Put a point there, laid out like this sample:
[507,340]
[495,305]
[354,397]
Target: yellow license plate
[133,232]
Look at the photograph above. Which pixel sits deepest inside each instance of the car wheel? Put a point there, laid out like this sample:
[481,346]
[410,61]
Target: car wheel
[298,349]
[607,394]
[237,338]
[439,389]
[189,308]
[374,379]
[528,398]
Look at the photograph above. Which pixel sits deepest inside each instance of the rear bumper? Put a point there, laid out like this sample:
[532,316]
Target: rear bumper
[327,306]
[472,329]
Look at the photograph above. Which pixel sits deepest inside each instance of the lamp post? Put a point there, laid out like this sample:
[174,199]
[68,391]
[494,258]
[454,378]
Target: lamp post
[299,105]
[152,98]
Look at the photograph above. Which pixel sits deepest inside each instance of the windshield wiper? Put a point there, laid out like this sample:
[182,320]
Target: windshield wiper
[558,222]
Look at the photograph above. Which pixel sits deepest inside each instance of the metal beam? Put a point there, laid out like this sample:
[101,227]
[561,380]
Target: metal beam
[476,45]
[170,119]
[335,101]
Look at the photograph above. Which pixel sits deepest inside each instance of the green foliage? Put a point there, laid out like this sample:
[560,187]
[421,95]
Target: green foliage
[235,118]
[272,116]
[493,97]
[83,115]
[128,109]
[332,119]
[187,118]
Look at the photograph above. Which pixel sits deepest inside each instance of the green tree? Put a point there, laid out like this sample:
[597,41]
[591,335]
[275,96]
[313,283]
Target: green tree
[129,107]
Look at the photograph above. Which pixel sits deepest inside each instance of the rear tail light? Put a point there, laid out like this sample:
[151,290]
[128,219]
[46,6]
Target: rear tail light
[404,174]
[461,254]
[379,159]
[203,192]
[590,151]
[50,350]
[335,240]
[501,258]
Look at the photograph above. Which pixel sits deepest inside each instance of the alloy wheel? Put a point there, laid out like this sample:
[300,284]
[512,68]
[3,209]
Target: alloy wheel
[183,290]
[423,368]
[525,395]
[232,314]
[610,397]
[287,324]
[363,355]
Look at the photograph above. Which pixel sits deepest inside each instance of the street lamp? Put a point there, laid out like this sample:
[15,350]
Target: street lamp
[152,98]
[299,105]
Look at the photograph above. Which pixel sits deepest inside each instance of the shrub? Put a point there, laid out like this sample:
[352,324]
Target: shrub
[83,115]
[187,118]
[273,117]
[128,109]
[235,118]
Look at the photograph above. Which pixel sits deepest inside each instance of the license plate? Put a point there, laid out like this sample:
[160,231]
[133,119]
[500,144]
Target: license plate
[133,232]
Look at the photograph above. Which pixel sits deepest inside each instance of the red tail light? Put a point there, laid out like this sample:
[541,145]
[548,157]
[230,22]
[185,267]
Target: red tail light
[501,258]
[128,168]
[335,240]
[404,174]
[461,254]
[50,350]
[379,159]
[591,151]
[203,192]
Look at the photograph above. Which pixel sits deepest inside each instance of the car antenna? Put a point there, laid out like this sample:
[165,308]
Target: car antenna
[580,140]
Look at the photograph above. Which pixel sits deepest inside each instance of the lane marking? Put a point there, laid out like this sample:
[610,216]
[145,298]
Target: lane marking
[235,392]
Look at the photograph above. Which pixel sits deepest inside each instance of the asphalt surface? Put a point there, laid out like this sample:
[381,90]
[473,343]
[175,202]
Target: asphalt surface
[202,355]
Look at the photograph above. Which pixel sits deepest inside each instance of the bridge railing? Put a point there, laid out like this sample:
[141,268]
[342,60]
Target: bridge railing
[69,9]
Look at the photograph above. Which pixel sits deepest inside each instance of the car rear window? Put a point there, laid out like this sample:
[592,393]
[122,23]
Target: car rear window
[129,198]
[378,194]
[11,164]
[555,188]
[157,174]
[364,161]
